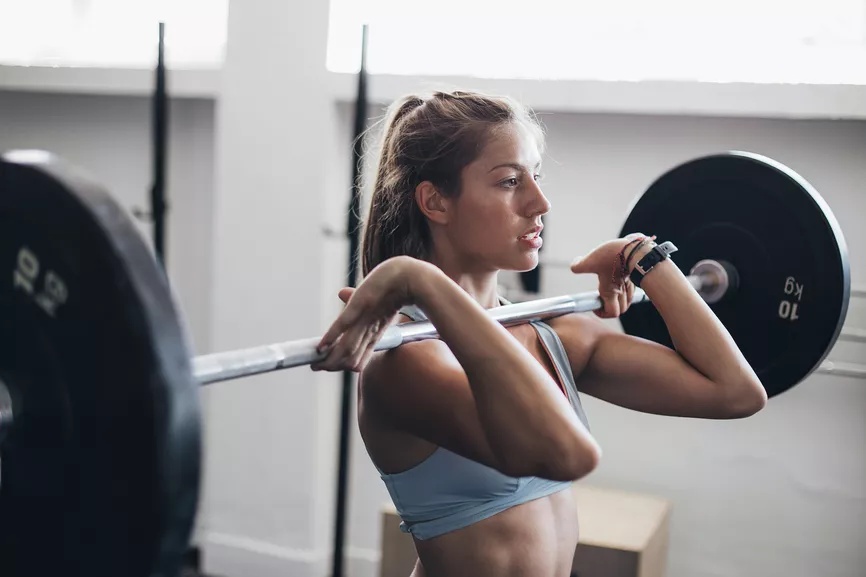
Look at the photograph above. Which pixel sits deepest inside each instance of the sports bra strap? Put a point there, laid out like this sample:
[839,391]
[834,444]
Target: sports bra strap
[414,313]
[552,343]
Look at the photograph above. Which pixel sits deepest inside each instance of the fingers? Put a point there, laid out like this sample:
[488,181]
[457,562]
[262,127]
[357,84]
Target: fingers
[346,318]
[337,328]
[611,299]
[345,294]
[616,301]
[341,353]
[350,342]
[370,349]
[361,354]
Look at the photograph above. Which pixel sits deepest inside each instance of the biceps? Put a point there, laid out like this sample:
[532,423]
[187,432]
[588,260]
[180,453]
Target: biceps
[645,376]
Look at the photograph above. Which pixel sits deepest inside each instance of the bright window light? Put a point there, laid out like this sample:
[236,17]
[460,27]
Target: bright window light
[112,32]
[801,41]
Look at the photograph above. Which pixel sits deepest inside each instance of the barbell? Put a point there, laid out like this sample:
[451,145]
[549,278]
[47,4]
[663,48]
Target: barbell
[100,424]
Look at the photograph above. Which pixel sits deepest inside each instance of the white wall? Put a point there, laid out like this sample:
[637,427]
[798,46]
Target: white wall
[783,493]
[270,439]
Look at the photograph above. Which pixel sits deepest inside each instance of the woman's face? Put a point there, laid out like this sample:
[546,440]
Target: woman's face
[495,221]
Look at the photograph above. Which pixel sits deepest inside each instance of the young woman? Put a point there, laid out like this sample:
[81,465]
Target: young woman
[478,435]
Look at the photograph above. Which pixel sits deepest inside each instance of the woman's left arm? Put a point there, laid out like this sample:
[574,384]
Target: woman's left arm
[705,375]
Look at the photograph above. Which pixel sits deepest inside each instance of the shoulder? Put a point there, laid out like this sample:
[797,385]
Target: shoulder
[401,375]
[580,334]
[583,327]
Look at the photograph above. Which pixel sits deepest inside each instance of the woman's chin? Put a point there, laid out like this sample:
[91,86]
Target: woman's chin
[526,263]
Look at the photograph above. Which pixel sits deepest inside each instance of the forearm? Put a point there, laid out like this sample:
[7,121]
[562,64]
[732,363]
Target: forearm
[524,414]
[697,334]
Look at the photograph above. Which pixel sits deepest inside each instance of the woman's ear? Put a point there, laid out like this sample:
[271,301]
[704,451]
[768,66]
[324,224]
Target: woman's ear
[433,204]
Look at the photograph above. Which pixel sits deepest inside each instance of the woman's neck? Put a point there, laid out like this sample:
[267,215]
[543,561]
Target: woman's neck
[480,285]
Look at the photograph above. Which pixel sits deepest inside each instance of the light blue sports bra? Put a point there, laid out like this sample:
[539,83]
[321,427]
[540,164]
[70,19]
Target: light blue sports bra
[446,491]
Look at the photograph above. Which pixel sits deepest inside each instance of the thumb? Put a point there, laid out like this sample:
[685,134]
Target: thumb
[345,294]
[581,264]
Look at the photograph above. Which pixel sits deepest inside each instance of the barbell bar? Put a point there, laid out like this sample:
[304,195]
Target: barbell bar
[223,366]
[99,402]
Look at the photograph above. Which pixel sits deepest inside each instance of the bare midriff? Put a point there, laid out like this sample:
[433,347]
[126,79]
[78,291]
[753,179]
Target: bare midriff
[535,539]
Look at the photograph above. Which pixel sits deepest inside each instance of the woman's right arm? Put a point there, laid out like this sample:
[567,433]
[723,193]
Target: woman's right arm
[476,391]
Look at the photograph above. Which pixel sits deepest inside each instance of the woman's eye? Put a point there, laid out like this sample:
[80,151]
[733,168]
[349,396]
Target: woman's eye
[538,177]
[510,182]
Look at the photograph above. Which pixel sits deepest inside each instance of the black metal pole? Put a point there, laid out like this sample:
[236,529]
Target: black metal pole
[353,233]
[158,203]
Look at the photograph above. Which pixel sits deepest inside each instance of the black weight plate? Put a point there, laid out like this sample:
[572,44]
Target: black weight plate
[100,470]
[782,238]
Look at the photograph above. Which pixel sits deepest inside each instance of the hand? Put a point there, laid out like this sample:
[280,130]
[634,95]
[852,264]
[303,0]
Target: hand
[615,290]
[370,309]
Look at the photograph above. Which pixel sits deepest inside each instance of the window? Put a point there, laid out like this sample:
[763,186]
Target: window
[735,40]
[112,32]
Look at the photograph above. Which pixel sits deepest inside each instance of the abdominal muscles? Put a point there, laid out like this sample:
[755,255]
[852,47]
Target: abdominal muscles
[536,539]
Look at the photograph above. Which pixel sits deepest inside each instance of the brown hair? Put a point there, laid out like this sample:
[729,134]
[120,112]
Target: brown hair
[428,139]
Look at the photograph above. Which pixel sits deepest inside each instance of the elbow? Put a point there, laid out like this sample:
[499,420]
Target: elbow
[581,463]
[571,462]
[750,399]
